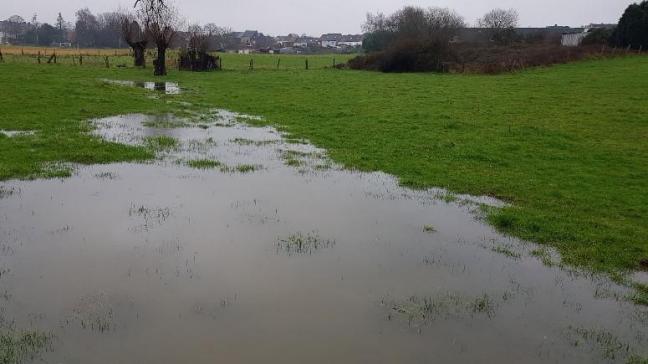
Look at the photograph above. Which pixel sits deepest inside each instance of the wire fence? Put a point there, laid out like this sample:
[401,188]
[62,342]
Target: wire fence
[123,58]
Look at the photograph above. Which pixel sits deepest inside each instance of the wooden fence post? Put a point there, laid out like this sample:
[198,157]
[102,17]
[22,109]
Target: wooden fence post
[38,57]
[80,60]
[307,64]
[107,63]
[1,58]
[251,64]
[278,62]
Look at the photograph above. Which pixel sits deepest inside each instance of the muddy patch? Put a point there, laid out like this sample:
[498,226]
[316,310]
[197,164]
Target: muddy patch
[239,244]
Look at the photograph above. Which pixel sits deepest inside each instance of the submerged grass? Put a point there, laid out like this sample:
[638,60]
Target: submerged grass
[424,310]
[18,347]
[610,346]
[204,164]
[567,157]
[160,143]
[303,244]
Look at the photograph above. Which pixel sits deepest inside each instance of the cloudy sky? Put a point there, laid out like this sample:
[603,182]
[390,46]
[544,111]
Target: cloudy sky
[277,17]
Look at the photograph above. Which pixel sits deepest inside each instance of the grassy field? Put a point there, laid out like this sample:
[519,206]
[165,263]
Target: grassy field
[121,57]
[566,146]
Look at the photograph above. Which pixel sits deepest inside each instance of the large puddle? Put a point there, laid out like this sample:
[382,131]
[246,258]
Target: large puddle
[236,246]
[169,88]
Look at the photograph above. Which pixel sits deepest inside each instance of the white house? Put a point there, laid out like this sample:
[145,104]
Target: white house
[330,40]
[352,41]
[305,42]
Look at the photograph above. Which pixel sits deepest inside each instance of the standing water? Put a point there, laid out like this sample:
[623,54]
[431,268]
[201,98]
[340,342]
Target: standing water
[237,246]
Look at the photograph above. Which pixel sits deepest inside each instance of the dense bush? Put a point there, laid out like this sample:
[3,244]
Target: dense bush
[600,36]
[407,56]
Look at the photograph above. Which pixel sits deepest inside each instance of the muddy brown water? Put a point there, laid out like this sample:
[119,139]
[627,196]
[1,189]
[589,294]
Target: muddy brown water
[297,261]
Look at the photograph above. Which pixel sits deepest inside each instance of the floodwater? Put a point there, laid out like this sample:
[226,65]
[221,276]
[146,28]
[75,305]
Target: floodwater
[293,261]
[169,88]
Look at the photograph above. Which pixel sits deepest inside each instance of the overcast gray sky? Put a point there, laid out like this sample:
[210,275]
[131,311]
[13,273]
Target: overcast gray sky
[277,17]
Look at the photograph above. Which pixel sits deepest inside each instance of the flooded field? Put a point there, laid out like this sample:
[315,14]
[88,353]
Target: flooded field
[237,245]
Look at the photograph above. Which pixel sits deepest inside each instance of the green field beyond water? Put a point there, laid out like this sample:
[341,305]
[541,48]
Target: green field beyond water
[567,146]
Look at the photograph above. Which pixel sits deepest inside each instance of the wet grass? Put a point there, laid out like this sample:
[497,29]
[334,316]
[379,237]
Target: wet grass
[641,294]
[241,168]
[544,255]
[429,229]
[6,191]
[160,143]
[567,157]
[610,346]
[256,143]
[165,122]
[19,347]
[303,244]
[506,250]
[424,310]
[204,164]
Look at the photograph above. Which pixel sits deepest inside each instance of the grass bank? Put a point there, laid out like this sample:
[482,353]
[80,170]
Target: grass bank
[566,145]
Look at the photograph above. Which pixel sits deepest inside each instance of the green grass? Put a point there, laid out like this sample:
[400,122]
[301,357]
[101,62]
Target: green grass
[16,347]
[160,143]
[204,164]
[565,146]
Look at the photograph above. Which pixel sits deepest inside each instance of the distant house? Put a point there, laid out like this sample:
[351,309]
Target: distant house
[575,36]
[330,40]
[306,42]
[286,40]
[249,37]
[352,41]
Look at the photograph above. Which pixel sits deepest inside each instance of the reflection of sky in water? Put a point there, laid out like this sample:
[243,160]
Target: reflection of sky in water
[169,88]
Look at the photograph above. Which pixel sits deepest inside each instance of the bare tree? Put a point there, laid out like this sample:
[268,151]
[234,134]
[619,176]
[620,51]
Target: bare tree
[217,35]
[501,24]
[160,21]
[15,26]
[135,38]
[411,24]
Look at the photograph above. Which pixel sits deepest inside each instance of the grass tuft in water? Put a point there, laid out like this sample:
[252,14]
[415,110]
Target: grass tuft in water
[423,310]
[429,229]
[257,143]
[160,143]
[241,168]
[640,296]
[610,346]
[204,164]
[166,121]
[19,347]
[303,244]
[544,255]
[506,251]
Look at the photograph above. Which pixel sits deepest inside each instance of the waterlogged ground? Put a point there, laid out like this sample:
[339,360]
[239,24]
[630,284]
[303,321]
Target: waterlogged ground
[237,246]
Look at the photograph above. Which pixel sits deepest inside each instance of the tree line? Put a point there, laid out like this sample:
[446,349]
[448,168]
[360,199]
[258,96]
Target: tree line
[430,39]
